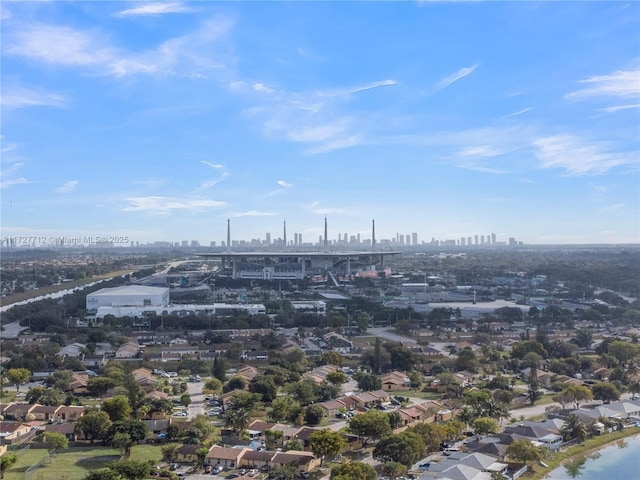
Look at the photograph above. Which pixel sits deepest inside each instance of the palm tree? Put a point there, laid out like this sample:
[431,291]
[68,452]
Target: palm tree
[573,428]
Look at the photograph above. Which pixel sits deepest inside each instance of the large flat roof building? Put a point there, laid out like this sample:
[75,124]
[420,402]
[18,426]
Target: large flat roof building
[128,296]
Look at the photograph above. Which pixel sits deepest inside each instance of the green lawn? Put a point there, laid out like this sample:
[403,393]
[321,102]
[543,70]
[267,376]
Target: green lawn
[71,464]
[142,453]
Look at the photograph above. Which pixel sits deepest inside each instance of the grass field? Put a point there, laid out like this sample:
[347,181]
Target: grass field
[19,297]
[142,453]
[71,464]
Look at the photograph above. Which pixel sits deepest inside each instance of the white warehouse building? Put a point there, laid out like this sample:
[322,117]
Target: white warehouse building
[128,296]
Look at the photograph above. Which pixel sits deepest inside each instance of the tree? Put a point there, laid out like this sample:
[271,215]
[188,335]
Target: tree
[273,439]
[524,451]
[395,419]
[623,351]
[485,426]
[368,382]
[467,360]
[584,337]
[605,391]
[353,471]
[136,429]
[17,376]
[533,384]
[122,441]
[131,469]
[573,428]
[304,392]
[578,394]
[104,474]
[56,441]
[99,386]
[371,425]
[394,469]
[284,408]
[6,462]
[94,425]
[118,408]
[313,414]
[219,369]
[406,448]
[235,383]
[265,386]
[337,378]
[185,400]
[326,442]
[213,385]
[44,396]
[238,419]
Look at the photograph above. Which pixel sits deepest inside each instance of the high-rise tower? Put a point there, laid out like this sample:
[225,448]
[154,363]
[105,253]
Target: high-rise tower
[373,234]
[285,233]
[228,234]
[326,241]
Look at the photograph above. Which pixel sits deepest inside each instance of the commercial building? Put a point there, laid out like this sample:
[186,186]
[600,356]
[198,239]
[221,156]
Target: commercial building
[128,296]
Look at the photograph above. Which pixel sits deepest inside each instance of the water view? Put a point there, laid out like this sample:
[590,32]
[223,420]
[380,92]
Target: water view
[621,460]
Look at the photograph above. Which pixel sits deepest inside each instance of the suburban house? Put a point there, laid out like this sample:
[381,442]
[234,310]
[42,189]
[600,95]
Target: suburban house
[13,432]
[187,453]
[225,456]
[395,381]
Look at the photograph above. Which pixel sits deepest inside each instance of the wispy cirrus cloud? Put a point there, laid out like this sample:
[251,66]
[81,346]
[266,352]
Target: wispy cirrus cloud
[621,83]
[618,108]
[191,55]
[212,165]
[67,187]
[454,77]
[577,156]
[21,97]
[356,89]
[519,112]
[611,208]
[158,8]
[284,183]
[164,205]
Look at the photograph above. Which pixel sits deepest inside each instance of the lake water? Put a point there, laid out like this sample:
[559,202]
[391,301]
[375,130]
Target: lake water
[620,461]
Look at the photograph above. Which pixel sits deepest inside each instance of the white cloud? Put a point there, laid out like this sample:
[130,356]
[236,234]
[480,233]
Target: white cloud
[252,213]
[190,55]
[212,165]
[618,108]
[481,151]
[611,208]
[519,112]
[164,205]
[621,83]
[463,72]
[58,45]
[157,8]
[578,157]
[273,193]
[21,97]
[359,88]
[284,183]
[67,187]
[261,87]
[13,181]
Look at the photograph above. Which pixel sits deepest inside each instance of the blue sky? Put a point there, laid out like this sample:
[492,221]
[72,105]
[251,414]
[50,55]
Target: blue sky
[158,121]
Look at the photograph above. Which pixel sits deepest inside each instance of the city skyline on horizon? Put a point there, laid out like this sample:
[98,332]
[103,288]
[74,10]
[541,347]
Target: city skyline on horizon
[156,120]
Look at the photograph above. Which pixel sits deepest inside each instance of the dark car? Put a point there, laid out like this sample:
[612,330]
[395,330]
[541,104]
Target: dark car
[232,475]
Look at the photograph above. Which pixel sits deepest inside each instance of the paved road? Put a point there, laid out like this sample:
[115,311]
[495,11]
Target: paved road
[197,406]
[390,335]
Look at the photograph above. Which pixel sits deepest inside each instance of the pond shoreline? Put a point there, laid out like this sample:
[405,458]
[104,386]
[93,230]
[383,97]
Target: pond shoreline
[582,449]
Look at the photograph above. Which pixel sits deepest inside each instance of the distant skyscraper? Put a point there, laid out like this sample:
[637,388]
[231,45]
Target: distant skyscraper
[285,233]
[468,240]
[373,234]
[493,239]
[414,238]
[476,240]
[228,234]
[267,238]
[463,241]
[326,240]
